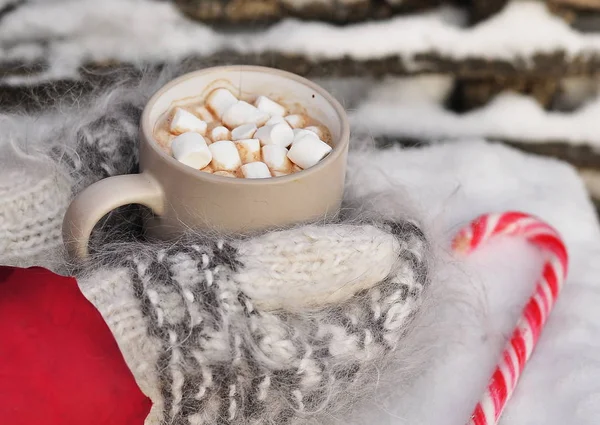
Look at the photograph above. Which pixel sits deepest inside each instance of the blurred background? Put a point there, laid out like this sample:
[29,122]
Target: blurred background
[412,72]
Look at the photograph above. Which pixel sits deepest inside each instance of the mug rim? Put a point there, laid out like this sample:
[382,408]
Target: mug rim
[338,149]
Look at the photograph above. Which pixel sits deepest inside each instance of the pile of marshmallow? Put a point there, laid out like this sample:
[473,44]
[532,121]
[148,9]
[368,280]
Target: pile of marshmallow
[230,137]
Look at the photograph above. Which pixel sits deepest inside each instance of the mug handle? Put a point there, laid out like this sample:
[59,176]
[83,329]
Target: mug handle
[102,197]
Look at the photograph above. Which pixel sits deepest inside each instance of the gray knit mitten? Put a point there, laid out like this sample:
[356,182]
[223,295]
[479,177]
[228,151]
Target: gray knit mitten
[277,328]
[267,330]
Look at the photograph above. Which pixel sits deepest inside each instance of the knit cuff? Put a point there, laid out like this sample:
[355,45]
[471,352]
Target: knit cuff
[34,196]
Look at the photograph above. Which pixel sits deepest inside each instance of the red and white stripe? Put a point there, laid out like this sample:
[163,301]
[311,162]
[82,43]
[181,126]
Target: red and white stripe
[532,320]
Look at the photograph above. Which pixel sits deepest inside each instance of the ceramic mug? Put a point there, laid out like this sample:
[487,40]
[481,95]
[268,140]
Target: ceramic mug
[181,197]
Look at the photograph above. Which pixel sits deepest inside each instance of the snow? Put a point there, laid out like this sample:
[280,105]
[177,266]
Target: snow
[77,31]
[477,301]
[404,35]
[407,108]
[407,36]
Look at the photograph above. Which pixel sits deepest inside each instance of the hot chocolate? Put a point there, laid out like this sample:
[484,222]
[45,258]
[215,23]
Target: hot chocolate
[242,138]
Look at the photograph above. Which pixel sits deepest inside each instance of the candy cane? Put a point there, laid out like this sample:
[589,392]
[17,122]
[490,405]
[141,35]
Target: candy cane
[532,320]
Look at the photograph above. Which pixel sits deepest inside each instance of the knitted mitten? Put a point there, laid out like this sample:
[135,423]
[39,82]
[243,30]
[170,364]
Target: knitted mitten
[266,330]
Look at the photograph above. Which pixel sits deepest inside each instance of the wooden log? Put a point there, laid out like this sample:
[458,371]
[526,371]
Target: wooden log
[576,4]
[582,15]
[349,11]
[235,11]
[265,11]
[591,178]
[480,10]
[540,66]
[474,93]
[580,156]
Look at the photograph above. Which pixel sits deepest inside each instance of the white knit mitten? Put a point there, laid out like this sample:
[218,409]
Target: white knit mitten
[266,330]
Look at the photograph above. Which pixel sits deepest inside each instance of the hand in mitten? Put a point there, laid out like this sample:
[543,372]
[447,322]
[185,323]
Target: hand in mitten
[261,330]
[59,363]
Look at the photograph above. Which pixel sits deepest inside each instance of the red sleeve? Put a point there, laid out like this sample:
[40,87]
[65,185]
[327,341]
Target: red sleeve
[59,363]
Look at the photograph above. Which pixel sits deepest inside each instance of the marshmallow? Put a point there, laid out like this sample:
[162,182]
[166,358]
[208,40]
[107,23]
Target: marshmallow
[249,150]
[280,173]
[256,170]
[245,131]
[275,157]
[317,130]
[278,134]
[275,119]
[204,114]
[263,103]
[184,121]
[243,113]
[219,100]
[225,156]
[296,121]
[220,133]
[191,149]
[301,132]
[308,151]
[224,174]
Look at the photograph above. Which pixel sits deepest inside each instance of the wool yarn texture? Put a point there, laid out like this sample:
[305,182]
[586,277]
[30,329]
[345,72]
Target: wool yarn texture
[280,327]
